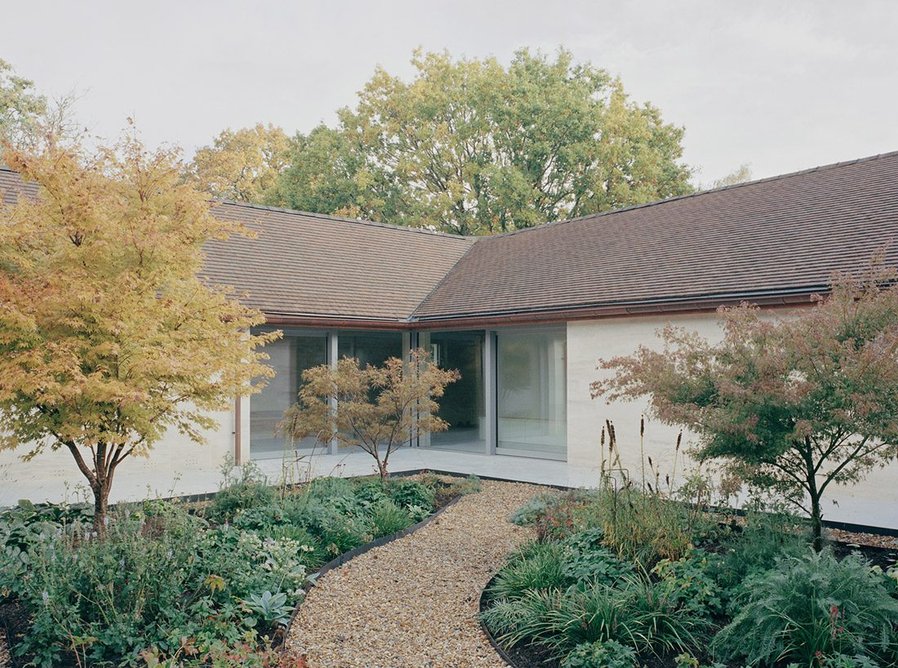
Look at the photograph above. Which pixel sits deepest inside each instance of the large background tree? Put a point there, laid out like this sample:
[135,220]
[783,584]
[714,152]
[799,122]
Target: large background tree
[21,108]
[793,405]
[241,165]
[108,337]
[471,147]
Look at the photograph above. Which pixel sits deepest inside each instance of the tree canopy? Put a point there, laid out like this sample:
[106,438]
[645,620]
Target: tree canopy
[378,408]
[20,105]
[241,165]
[108,336]
[792,405]
[469,146]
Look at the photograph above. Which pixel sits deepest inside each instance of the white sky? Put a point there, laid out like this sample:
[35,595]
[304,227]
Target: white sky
[779,85]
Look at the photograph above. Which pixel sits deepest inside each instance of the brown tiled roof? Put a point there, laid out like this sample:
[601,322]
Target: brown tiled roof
[771,238]
[303,264]
[316,266]
[776,236]
[11,186]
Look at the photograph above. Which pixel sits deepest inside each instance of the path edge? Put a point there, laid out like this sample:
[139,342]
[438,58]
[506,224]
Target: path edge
[349,555]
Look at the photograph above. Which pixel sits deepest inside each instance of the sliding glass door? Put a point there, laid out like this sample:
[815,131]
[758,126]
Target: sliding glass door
[531,397]
[462,405]
[289,357]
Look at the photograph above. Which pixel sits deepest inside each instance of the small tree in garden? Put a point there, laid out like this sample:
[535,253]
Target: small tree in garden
[378,408]
[792,405]
[108,337]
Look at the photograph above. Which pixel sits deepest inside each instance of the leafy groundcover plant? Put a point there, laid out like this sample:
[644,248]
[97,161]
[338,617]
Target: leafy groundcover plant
[175,584]
[628,578]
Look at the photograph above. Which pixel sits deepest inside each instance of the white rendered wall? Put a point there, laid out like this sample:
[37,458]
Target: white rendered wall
[873,502]
[175,467]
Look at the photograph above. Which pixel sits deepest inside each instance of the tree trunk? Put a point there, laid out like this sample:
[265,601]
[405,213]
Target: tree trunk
[816,524]
[814,493]
[382,468]
[101,506]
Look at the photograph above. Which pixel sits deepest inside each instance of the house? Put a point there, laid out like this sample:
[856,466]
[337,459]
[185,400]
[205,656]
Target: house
[525,315]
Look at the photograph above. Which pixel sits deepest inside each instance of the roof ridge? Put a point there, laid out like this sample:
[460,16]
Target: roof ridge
[766,179]
[341,219]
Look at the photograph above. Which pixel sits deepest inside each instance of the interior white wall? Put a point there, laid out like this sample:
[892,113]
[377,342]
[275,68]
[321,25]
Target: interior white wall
[175,467]
[872,502]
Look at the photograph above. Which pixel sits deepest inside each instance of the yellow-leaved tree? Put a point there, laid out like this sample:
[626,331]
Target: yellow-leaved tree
[108,335]
[242,165]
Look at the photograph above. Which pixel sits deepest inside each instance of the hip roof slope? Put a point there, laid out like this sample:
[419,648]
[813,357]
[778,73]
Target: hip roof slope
[776,235]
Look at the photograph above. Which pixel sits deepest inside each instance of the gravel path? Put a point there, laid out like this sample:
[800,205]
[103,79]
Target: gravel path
[413,602]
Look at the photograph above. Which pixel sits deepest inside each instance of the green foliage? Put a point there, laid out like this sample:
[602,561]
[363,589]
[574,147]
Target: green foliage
[370,492]
[764,538]
[600,654]
[387,517]
[407,493]
[535,567]
[271,609]
[586,558]
[689,584]
[330,488]
[472,147]
[166,585]
[631,612]
[243,489]
[809,608]
[20,107]
[535,508]
[22,523]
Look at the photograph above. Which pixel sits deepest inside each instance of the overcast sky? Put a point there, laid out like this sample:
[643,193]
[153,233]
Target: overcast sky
[778,85]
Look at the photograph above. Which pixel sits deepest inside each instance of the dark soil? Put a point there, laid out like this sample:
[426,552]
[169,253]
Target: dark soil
[884,557]
[14,625]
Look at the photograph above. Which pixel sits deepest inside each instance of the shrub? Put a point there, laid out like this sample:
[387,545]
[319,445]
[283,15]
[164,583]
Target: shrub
[608,654]
[407,493]
[688,584]
[535,508]
[246,489]
[764,538]
[642,527]
[22,523]
[585,558]
[631,613]
[809,608]
[336,529]
[369,492]
[330,488]
[535,567]
[160,580]
[388,518]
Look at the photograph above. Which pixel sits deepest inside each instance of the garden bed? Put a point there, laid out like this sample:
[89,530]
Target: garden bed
[626,578]
[210,581]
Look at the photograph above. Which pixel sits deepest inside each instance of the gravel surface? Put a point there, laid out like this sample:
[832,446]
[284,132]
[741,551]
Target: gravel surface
[414,602]
[872,539]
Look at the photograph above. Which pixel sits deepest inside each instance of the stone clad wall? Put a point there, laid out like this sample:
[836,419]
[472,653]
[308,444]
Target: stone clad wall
[175,467]
[873,502]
